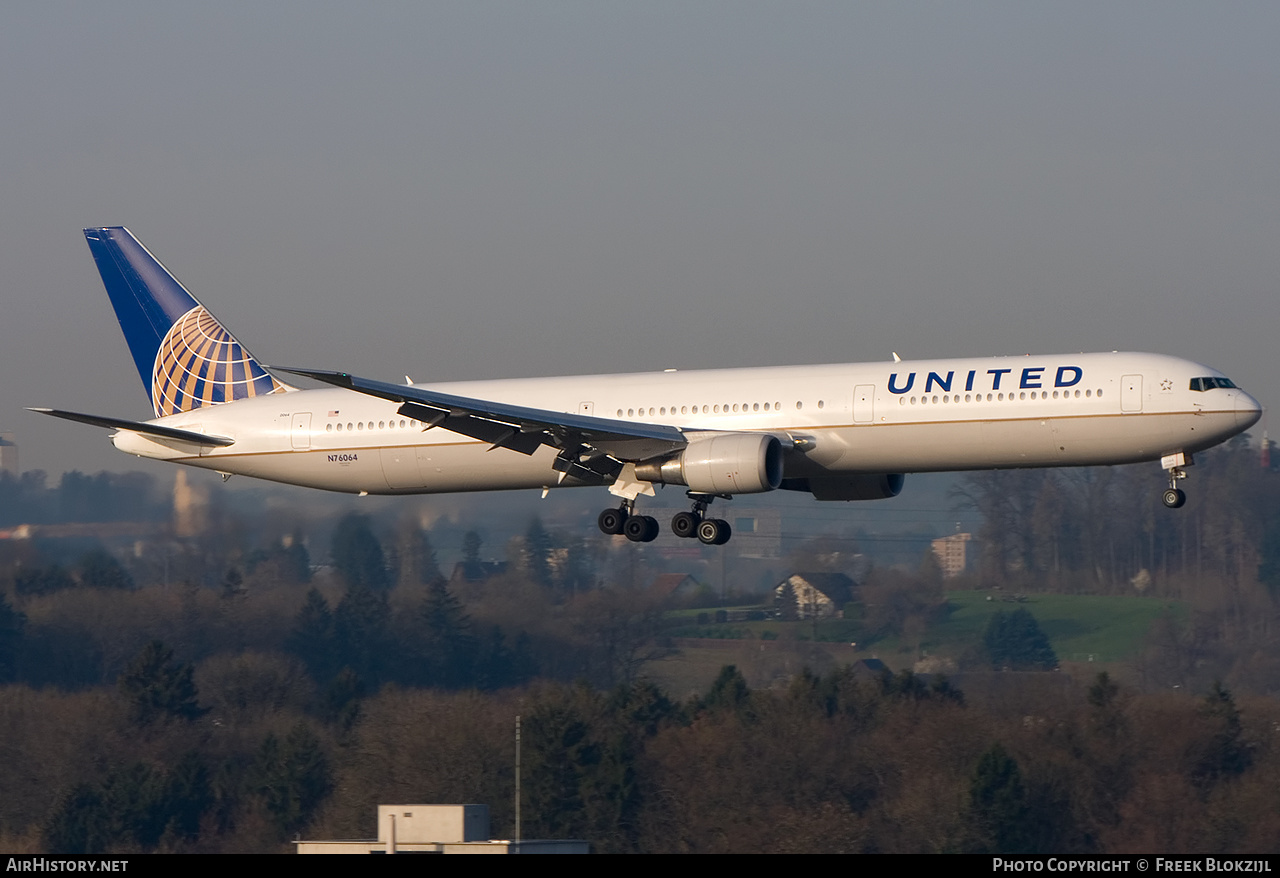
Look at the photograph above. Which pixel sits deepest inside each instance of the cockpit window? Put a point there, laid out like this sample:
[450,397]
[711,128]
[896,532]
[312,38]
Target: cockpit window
[1210,383]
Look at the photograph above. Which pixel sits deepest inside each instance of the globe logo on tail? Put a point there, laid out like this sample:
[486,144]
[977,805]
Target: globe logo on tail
[199,363]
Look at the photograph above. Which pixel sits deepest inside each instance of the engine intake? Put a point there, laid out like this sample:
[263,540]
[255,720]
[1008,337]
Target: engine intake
[727,463]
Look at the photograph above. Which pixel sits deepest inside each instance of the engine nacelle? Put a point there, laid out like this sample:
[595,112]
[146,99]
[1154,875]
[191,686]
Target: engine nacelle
[869,486]
[727,463]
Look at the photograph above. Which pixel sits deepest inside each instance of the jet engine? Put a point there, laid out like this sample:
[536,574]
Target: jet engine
[726,463]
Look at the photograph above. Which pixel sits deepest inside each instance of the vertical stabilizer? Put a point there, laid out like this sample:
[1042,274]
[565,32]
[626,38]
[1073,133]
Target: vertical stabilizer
[185,357]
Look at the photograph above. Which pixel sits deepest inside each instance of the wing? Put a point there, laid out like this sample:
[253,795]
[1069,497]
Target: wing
[589,447]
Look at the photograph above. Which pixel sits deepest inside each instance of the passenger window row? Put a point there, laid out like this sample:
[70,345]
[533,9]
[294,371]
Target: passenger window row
[370,425]
[720,409]
[996,397]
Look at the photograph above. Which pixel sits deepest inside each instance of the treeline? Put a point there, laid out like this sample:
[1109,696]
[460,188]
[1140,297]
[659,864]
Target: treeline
[374,616]
[228,691]
[1105,530]
[227,734]
[178,760]
[104,496]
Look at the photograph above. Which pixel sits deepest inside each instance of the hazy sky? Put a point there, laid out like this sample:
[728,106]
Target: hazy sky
[496,189]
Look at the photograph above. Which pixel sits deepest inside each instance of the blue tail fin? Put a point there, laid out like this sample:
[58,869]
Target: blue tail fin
[185,357]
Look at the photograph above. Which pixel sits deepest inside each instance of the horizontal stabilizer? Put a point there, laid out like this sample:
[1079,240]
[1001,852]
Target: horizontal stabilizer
[138,427]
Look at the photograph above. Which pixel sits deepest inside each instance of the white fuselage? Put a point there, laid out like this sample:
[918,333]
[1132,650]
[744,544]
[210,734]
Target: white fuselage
[902,417]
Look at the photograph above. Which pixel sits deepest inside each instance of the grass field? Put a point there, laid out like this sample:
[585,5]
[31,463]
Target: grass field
[1080,627]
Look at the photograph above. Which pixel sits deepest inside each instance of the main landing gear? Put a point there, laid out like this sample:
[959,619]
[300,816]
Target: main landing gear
[623,520]
[709,531]
[686,525]
[1174,497]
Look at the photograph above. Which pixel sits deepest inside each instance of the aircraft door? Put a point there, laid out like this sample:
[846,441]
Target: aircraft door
[864,400]
[1131,393]
[300,431]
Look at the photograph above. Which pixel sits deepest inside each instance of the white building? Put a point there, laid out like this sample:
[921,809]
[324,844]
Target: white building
[438,829]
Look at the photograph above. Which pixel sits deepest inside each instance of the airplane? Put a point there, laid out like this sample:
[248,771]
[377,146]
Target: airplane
[837,432]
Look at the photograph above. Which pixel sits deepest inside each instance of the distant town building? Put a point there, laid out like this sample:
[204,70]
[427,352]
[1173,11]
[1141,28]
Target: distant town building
[952,553]
[190,506]
[675,585]
[813,595]
[757,531]
[438,829]
[8,454]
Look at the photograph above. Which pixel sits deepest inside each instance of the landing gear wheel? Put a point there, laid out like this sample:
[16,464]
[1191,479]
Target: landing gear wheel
[725,531]
[714,532]
[641,528]
[685,525]
[1174,498]
[612,521]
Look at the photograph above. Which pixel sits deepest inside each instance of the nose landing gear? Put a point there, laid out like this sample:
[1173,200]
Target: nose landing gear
[1174,497]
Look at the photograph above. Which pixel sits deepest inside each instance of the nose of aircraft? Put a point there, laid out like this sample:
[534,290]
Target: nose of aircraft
[1248,410]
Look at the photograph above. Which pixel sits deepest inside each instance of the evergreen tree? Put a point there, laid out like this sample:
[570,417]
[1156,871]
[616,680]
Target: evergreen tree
[80,825]
[42,580]
[422,557]
[358,555]
[312,637]
[905,685]
[292,777]
[612,792]
[1222,752]
[99,569]
[998,804]
[360,628]
[496,664]
[125,810]
[1269,553]
[188,795]
[233,583]
[537,553]
[297,561]
[578,573]
[558,755]
[729,692]
[135,806]
[280,563]
[12,624]
[341,704]
[471,544]
[157,687]
[1015,640]
[786,604]
[449,649]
